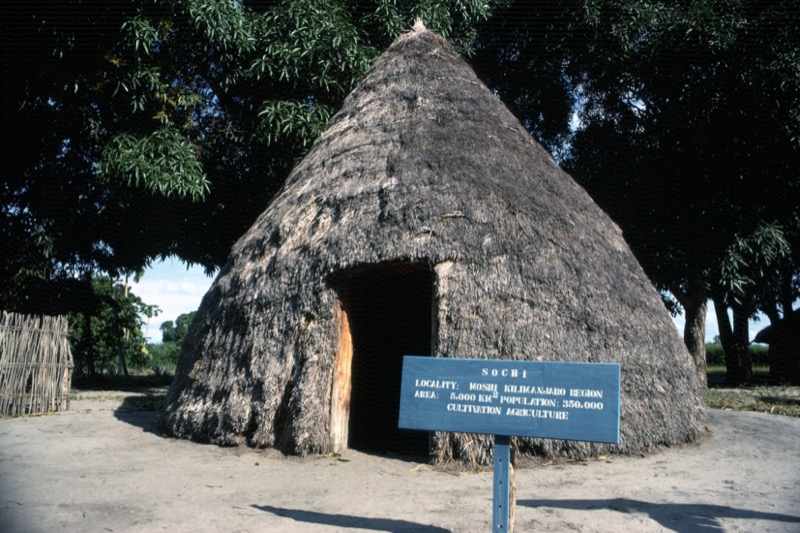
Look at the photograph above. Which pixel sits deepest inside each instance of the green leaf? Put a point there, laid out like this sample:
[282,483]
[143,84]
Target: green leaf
[163,162]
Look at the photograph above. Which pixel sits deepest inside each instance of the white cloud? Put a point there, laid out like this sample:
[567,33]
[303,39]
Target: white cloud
[174,289]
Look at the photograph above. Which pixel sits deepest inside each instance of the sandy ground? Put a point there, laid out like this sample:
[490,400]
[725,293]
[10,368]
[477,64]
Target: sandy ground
[102,466]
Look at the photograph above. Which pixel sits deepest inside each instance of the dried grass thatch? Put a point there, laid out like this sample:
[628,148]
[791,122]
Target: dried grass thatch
[427,173]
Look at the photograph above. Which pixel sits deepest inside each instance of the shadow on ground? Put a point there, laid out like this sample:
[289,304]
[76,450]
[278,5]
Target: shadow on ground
[349,521]
[142,411]
[778,400]
[679,517]
[143,397]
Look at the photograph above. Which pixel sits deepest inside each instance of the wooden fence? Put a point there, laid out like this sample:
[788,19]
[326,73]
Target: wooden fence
[35,364]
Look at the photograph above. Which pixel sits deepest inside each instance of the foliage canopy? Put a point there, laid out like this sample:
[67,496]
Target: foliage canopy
[146,128]
[142,129]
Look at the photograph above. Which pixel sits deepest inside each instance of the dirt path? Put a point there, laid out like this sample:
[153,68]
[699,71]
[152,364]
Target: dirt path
[103,467]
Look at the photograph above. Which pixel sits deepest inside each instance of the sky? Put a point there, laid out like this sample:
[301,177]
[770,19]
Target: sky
[177,290]
[172,287]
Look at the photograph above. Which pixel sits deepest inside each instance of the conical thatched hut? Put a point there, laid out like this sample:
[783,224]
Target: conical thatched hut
[424,221]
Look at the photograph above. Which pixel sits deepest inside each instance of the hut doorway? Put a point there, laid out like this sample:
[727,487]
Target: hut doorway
[387,312]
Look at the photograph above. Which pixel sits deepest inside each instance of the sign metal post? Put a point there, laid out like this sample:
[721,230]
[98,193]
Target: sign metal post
[550,400]
[501,500]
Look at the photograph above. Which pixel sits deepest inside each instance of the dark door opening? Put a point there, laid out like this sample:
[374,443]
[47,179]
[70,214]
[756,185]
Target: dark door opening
[389,310]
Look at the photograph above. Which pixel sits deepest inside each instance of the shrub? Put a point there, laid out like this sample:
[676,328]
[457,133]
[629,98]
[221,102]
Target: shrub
[715,355]
[759,353]
[164,357]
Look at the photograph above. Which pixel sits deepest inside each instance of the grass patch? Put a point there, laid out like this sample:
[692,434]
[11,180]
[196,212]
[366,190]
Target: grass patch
[760,397]
[773,400]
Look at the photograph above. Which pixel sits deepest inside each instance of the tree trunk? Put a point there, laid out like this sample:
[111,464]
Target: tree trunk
[738,366]
[694,332]
[695,305]
[741,333]
[88,344]
[122,367]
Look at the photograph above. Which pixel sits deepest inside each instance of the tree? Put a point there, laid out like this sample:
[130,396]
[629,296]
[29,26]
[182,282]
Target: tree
[62,222]
[760,274]
[689,113]
[176,332]
[143,129]
[164,356]
[111,332]
[521,53]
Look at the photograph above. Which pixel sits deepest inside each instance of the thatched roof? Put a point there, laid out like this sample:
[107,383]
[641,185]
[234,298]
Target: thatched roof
[423,165]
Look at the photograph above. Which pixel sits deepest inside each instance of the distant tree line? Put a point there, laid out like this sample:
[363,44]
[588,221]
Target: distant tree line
[109,339]
[143,129]
[164,356]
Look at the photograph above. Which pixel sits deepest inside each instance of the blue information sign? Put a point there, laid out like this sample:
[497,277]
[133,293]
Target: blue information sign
[570,401]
